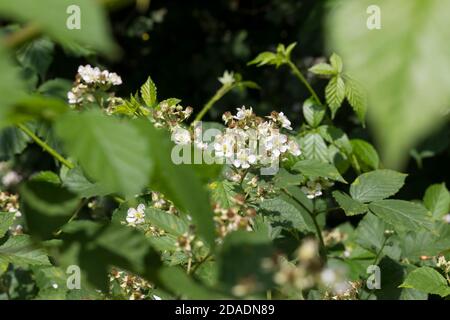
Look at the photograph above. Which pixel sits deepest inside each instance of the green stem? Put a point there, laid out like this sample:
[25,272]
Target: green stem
[217,96]
[300,76]
[313,215]
[45,146]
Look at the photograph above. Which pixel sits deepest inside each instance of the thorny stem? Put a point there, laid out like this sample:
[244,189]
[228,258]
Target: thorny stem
[74,215]
[45,146]
[300,76]
[216,97]
[313,215]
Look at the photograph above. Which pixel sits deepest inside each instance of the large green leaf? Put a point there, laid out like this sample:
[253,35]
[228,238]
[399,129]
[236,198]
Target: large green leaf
[284,211]
[6,221]
[111,152]
[166,221]
[370,234]
[93,32]
[37,55]
[437,200]
[365,153]
[376,185]
[21,251]
[402,65]
[11,87]
[402,215]
[223,192]
[47,206]
[428,280]
[315,168]
[96,247]
[313,147]
[350,206]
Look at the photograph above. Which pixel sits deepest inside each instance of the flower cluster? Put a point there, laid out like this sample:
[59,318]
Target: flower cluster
[443,264]
[314,188]
[237,217]
[136,288]
[249,139]
[170,115]
[87,81]
[10,203]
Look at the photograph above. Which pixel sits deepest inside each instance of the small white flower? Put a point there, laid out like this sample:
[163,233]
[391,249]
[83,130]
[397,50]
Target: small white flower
[446,218]
[136,216]
[155,297]
[276,143]
[55,286]
[115,79]
[181,136]
[243,113]
[244,158]
[285,123]
[227,78]
[294,148]
[11,178]
[328,276]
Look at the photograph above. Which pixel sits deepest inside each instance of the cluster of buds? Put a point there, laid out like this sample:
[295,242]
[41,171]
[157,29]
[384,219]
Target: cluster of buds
[334,237]
[443,264]
[185,242]
[88,81]
[170,115]
[136,288]
[238,217]
[160,202]
[10,203]
[314,188]
[349,291]
[250,140]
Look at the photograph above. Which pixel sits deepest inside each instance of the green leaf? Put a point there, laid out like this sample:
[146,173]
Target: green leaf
[111,152]
[93,31]
[76,181]
[37,55]
[313,112]
[46,206]
[365,153]
[11,87]
[376,185]
[428,280]
[437,200]
[6,221]
[402,215]
[12,141]
[350,206]
[313,147]
[223,192]
[314,168]
[285,212]
[323,69]
[336,62]
[148,93]
[370,234]
[335,94]
[177,281]
[56,88]
[424,243]
[266,58]
[21,251]
[96,247]
[398,88]
[166,221]
[356,97]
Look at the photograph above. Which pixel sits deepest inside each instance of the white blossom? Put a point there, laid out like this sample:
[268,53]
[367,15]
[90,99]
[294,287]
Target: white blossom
[243,113]
[136,216]
[11,178]
[285,123]
[181,136]
[227,78]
